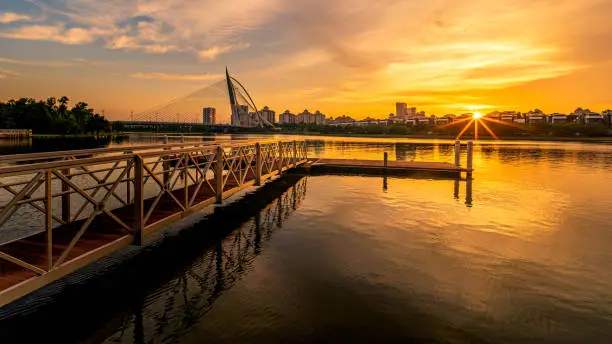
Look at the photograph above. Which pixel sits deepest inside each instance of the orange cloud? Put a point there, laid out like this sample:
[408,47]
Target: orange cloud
[214,52]
[11,17]
[50,33]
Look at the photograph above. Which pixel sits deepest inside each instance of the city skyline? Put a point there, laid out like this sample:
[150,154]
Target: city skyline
[357,60]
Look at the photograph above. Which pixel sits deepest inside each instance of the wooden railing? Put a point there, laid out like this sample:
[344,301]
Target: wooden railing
[56,216]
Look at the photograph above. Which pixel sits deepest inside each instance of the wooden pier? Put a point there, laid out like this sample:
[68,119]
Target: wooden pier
[84,205]
[15,134]
[60,211]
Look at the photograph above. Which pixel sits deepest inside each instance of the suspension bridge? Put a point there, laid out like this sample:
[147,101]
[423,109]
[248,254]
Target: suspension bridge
[186,113]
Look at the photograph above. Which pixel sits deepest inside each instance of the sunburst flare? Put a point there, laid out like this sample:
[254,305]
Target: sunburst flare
[476,119]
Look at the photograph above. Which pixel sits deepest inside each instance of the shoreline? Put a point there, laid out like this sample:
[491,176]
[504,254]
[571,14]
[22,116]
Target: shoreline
[601,139]
[75,136]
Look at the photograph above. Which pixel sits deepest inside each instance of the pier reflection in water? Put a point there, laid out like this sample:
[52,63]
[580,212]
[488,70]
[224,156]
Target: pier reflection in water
[171,310]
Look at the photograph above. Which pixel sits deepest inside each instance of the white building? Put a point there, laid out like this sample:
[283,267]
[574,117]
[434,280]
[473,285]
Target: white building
[268,114]
[441,120]
[591,117]
[286,118]
[535,117]
[305,118]
[507,117]
[319,118]
[422,120]
[243,116]
[557,118]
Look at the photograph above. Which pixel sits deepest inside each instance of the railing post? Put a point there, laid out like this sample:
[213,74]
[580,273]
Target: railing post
[66,196]
[166,169]
[219,174]
[185,182]
[138,200]
[470,153]
[281,157]
[129,185]
[458,153]
[258,164]
[49,218]
[295,159]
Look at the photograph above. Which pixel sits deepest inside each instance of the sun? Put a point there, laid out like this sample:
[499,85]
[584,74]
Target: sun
[477,120]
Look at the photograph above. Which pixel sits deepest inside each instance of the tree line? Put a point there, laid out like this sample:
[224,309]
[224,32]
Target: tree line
[51,116]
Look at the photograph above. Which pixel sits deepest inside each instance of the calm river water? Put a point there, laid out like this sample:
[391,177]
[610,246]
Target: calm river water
[520,254]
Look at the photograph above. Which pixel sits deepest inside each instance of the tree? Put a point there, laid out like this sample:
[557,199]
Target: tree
[82,114]
[97,124]
[50,116]
[63,107]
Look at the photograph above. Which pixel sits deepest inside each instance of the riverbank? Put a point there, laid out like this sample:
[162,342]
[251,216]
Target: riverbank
[607,139]
[603,139]
[68,136]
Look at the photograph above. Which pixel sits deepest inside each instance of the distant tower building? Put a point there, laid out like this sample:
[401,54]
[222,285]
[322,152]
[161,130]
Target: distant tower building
[286,118]
[305,118]
[400,110]
[209,116]
[268,115]
[319,118]
[243,116]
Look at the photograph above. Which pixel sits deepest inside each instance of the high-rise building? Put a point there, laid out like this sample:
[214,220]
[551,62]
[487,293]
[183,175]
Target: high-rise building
[319,118]
[400,110]
[268,115]
[209,116]
[305,118]
[286,118]
[243,116]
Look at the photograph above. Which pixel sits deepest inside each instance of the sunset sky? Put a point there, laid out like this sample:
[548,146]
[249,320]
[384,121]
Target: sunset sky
[355,57]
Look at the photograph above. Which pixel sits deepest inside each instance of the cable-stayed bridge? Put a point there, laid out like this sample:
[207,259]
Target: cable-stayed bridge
[187,111]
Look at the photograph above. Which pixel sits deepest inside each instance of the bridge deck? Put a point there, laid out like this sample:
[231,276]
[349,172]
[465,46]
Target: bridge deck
[102,231]
[378,166]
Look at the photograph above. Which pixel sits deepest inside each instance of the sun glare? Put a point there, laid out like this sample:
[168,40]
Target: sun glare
[478,120]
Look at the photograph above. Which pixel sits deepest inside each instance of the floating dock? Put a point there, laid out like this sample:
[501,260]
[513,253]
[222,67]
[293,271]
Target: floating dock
[386,167]
[382,167]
